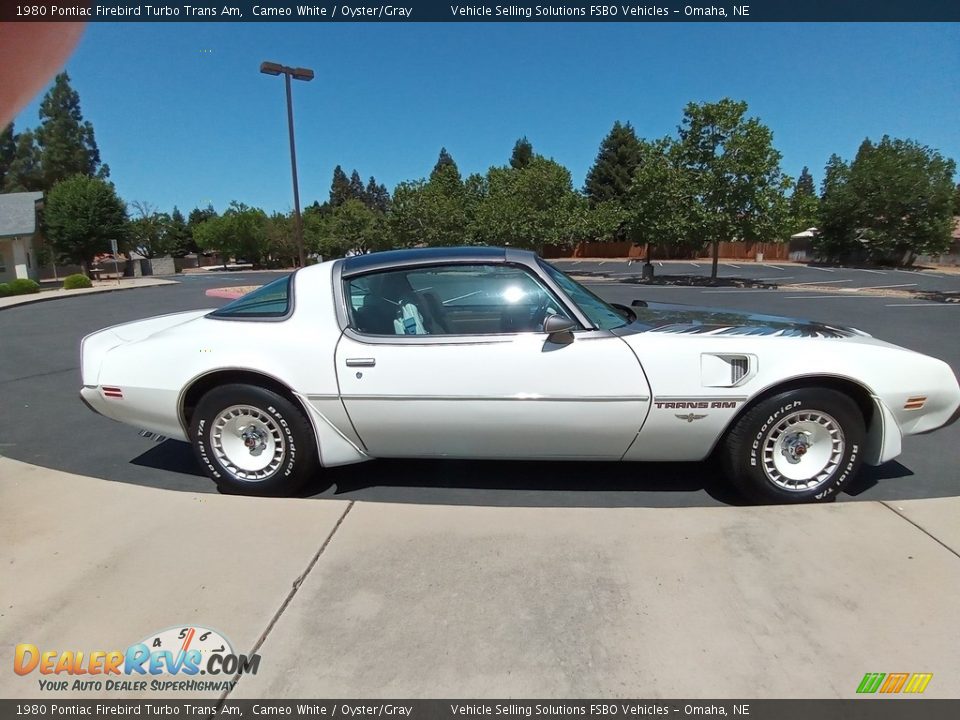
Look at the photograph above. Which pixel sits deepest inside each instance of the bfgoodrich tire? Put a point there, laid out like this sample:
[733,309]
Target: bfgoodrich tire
[251,441]
[799,446]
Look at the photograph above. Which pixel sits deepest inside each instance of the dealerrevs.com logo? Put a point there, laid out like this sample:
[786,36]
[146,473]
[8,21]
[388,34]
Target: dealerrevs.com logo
[169,661]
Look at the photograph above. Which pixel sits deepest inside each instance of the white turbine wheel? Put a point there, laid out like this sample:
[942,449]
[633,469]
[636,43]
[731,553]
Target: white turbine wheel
[247,442]
[803,450]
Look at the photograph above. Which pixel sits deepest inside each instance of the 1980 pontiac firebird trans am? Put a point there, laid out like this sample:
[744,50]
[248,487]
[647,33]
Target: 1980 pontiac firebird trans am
[493,353]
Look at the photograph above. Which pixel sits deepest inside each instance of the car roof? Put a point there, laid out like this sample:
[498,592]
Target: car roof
[359,264]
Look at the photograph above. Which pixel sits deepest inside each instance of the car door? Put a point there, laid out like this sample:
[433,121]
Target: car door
[451,361]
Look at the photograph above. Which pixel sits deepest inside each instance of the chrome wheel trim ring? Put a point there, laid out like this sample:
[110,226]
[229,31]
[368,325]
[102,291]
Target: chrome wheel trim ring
[247,442]
[803,450]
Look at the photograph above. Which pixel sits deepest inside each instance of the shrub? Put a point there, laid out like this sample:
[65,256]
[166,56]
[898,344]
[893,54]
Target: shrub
[76,282]
[23,286]
[4,290]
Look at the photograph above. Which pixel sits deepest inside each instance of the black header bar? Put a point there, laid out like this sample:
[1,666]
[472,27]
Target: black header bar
[862,709]
[464,11]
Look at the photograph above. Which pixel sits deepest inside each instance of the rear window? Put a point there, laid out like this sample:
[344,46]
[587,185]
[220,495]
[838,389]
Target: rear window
[270,301]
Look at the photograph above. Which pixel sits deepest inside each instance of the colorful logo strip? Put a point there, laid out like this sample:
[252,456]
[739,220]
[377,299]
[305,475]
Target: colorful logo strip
[890,683]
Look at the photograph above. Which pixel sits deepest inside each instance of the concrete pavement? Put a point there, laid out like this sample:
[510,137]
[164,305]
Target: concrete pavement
[436,601]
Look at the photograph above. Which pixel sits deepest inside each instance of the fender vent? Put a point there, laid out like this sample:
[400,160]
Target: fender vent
[739,367]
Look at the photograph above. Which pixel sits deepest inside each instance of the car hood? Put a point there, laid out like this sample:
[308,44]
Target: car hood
[692,320]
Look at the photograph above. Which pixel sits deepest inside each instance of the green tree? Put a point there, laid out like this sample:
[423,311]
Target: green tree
[24,172]
[612,172]
[82,214]
[357,189]
[281,241]
[66,141]
[445,165]
[522,154]
[735,171]
[195,218]
[895,201]
[804,209]
[837,236]
[239,233]
[431,212]
[339,187]
[530,207]
[8,151]
[149,231]
[181,240]
[662,198]
[352,226]
[376,196]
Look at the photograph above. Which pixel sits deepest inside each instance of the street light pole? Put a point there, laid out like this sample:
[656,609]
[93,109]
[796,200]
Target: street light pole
[270,68]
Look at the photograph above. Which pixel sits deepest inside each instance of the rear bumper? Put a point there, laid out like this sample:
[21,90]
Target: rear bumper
[88,396]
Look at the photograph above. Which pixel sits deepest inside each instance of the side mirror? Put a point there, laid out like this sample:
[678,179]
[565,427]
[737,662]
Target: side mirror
[559,329]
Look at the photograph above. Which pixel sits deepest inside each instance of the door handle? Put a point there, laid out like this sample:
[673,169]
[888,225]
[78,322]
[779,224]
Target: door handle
[361,362]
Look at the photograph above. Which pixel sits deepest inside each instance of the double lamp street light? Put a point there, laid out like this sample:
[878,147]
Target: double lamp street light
[299,73]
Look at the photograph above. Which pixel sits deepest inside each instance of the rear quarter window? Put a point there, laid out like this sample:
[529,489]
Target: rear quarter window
[270,301]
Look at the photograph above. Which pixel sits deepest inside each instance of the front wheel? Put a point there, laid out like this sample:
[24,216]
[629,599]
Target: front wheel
[252,441]
[799,446]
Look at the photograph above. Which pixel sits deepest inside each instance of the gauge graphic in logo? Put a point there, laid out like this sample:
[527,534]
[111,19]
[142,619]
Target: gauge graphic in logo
[181,640]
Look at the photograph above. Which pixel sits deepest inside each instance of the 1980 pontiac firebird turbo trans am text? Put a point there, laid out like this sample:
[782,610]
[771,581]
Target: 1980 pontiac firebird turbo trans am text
[493,353]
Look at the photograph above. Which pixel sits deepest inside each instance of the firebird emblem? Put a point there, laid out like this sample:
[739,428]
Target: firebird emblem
[690,417]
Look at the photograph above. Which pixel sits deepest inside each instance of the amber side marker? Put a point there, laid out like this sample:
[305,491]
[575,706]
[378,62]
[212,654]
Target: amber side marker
[914,403]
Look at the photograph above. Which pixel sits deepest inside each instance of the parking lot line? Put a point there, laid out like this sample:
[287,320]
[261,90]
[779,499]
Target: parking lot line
[814,267]
[875,272]
[822,282]
[695,265]
[733,266]
[737,290]
[826,297]
[773,266]
[916,304]
[881,287]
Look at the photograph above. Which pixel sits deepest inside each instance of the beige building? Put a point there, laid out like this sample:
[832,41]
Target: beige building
[19,235]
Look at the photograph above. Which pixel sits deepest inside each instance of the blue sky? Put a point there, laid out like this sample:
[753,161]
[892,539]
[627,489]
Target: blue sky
[183,116]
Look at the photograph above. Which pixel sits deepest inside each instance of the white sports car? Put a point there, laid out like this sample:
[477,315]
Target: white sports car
[492,353]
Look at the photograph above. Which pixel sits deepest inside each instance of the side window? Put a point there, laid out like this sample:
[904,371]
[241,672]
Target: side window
[450,300]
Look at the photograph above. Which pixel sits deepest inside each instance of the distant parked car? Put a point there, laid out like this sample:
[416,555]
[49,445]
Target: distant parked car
[493,353]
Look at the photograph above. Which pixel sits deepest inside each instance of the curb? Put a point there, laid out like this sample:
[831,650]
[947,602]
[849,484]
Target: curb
[65,294]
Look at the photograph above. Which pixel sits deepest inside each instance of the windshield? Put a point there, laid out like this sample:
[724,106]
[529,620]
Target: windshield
[601,314]
[270,301]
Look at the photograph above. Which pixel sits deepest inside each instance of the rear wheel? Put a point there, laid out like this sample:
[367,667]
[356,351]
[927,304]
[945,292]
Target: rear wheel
[252,441]
[799,446]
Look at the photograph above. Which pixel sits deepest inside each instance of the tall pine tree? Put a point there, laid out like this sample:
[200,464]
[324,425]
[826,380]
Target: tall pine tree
[357,190]
[522,154]
[445,166]
[339,187]
[376,196]
[612,171]
[8,150]
[66,141]
[24,172]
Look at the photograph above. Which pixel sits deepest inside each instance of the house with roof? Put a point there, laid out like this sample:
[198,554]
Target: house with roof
[19,235]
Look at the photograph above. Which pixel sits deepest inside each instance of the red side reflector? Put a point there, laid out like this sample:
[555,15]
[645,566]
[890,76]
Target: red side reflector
[113,392]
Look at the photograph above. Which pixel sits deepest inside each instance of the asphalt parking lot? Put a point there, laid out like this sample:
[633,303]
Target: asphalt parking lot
[43,422]
[780,273]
